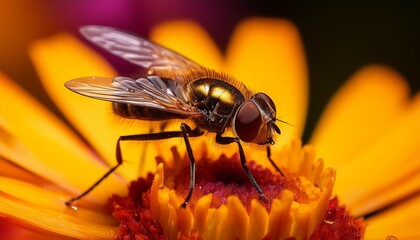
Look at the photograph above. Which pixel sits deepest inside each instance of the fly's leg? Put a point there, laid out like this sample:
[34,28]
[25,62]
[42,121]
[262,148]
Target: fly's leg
[228,140]
[72,200]
[272,162]
[185,132]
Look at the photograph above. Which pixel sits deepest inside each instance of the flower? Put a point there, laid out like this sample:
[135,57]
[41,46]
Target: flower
[377,163]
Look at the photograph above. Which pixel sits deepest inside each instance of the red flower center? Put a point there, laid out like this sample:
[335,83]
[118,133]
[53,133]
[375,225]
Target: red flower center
[224,178]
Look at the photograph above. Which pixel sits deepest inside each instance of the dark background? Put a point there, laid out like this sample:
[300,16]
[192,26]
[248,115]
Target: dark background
[339,38]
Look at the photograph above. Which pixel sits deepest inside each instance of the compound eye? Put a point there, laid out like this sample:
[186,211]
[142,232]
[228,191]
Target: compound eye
[248,122]
[267,99]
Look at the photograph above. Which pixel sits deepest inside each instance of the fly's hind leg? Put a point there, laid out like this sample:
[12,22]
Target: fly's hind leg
[111,170]
[185,132]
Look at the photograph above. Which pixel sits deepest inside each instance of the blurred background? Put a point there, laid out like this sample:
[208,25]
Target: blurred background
[338,38]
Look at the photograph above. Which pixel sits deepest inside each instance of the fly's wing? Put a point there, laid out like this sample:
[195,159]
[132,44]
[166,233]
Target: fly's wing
[136,49]
[151,92]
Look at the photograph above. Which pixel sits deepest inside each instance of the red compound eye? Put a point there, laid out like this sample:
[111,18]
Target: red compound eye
[267,99]
[248,122]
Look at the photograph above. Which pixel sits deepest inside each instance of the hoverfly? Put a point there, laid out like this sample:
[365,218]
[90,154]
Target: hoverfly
[178,88]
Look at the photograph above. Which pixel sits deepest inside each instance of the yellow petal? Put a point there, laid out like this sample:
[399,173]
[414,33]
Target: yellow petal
[280,216]
[11,170]
[164,205]
[362,111]
[61,58]
[185,217]
[237,216]
[267,55]
[201,212]
[39,141]
[43,208]
[214,222]
[12,230]
[258,221]
[388,171]
[47,196]
[401,221]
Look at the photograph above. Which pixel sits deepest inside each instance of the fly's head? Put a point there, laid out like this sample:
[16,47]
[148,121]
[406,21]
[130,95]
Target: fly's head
[254,120]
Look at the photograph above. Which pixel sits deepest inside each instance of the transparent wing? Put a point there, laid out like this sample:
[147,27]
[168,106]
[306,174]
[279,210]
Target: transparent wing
[136,49]
[152,92]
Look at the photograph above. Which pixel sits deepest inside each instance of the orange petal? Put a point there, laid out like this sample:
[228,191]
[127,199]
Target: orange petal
[362,111]
[401,221]
[61,58]
[42,208]
[40,142]
[388,171]
[267,55]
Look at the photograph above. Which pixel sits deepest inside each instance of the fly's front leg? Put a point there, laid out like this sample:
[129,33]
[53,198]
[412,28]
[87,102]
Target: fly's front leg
[228,140]
[272,162]
[185,132]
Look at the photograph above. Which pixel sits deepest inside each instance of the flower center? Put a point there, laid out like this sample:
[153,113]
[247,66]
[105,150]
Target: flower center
[225,177]
[298,204]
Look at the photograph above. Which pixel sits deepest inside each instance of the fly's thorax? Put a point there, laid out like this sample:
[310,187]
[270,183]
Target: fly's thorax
[217,99]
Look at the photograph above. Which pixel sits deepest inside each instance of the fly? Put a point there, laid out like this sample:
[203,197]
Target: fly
[178,88]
